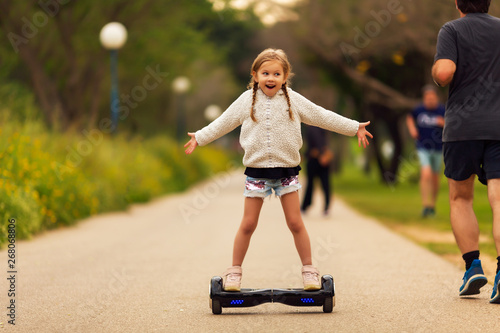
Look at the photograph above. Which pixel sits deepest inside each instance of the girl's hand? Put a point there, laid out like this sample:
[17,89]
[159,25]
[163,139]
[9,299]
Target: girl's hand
[192,144]
[362,134]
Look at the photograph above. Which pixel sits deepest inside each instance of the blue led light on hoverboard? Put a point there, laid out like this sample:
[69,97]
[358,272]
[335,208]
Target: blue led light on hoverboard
[237,301]
[307,300]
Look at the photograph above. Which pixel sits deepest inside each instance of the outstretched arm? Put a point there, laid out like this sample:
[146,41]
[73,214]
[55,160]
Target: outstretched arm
[362,133]
[191,144]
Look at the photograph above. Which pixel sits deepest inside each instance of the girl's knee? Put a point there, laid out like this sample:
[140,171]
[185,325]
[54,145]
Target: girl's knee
[248,226]
[296,226]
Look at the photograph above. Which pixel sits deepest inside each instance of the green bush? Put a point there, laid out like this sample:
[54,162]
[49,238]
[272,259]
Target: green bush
[49,179]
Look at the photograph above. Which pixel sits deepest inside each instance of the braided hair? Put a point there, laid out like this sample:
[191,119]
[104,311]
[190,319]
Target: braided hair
[285,91]
[254,97]
[269,55]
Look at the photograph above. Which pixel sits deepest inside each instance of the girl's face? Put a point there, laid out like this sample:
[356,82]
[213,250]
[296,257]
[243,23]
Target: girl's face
[270,77]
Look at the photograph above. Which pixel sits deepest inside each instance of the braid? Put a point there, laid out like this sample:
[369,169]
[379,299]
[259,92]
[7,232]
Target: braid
[254,95]
[285,91]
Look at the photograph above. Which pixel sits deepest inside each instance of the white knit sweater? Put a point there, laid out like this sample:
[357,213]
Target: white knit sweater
[274,140]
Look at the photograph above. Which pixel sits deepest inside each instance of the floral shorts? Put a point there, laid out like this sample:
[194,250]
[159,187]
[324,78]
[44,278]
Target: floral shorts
[261,187]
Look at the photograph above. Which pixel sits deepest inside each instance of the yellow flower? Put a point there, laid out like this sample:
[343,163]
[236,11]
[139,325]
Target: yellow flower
[26,164]
[363,66]
[398,58]
[402,18]
[95,202]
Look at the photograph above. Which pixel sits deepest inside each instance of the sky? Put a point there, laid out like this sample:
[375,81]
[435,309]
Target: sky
[269,11]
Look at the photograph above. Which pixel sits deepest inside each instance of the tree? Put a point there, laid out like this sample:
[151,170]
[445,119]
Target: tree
[53,47]
[380,52]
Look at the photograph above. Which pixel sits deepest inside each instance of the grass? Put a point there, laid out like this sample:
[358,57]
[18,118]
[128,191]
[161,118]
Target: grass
[399,206]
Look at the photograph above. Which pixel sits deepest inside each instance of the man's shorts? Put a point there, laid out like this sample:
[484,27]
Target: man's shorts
[261,187]
[432,158]
[462,159]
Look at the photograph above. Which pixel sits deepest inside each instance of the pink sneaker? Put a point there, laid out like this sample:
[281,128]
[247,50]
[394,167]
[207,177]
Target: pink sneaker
[232,279]
[310,276]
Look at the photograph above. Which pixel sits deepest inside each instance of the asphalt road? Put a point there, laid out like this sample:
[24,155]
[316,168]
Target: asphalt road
[148,270]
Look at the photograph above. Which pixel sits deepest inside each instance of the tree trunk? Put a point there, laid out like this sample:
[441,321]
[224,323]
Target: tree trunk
[377,92]
[44,88]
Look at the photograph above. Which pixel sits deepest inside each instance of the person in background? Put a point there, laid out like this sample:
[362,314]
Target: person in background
[318,166]
[468,59]
[425,124]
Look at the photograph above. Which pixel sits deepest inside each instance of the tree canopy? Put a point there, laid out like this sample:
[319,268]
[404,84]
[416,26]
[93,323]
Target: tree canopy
[54,47]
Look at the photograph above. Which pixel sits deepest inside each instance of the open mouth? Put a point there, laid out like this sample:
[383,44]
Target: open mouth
[270,86]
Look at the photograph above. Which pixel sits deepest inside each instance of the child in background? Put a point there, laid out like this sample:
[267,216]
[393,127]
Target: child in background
[270,114]
[425,124]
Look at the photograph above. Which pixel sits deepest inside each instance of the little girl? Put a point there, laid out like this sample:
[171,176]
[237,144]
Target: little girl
[270,114]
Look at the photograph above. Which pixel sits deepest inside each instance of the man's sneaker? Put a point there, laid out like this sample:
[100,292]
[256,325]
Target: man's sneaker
[232,279]
[474,279]
[495,296]
[431,212]
[428,212]
[310,277]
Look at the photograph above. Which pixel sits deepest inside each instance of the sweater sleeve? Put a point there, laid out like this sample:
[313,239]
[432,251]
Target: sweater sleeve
[228,121]
[312,114]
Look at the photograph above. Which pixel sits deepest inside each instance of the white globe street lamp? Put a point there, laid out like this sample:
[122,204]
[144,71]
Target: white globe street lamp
[181,84]
[113,36]
[212,112]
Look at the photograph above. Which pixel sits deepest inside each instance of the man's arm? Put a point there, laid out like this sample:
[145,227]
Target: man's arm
[443,71]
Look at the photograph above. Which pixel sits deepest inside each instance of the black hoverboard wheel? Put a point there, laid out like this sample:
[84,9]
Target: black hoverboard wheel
[328,285]
[215,288]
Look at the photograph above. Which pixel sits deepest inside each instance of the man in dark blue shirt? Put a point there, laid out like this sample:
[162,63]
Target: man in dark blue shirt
[468,59]
[425,124]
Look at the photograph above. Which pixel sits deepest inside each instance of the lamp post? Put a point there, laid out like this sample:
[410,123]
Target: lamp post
[212,112]
[113,36]
[181,85]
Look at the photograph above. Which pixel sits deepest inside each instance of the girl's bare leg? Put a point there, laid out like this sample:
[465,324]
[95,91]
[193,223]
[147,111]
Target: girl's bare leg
[247,227]
[291,207]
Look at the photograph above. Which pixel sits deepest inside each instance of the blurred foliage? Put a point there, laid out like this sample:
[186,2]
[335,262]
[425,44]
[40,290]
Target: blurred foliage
[49,179]
[60,57]
[378,54]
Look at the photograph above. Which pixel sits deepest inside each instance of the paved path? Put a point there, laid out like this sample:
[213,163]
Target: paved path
[147,270]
